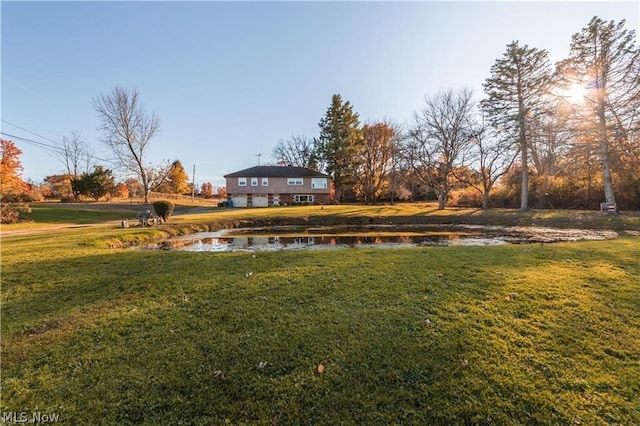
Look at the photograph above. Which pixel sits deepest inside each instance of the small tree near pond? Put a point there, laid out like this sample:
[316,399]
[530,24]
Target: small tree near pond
[163,208]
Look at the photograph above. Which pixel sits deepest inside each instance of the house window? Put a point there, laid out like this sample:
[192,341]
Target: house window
[254,181]
[295,181]
[319,183]
[303,198]
[242,181]
[265,181]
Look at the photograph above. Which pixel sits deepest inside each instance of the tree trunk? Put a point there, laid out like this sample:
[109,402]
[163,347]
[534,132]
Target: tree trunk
[524,151]
[609,195]
[442,201]
[485,201]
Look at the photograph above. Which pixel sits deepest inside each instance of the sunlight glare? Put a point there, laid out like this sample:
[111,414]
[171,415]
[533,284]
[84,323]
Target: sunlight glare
[576,94]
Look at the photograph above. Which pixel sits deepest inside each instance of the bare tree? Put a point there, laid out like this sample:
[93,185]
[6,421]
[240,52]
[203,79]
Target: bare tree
[438,137]
[489,156]
[297,151]
[127,130]
[76,156]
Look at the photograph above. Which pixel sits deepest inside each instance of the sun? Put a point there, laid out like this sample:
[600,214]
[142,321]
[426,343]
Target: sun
[576,93]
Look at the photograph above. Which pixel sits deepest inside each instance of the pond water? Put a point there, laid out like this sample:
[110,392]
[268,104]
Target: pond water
[318,238]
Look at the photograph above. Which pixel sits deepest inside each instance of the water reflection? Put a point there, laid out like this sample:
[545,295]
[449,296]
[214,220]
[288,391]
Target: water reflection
[290,238]
[204,242]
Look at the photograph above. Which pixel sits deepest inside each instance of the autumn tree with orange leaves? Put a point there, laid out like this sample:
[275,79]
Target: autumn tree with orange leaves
[11,184]
[10,168]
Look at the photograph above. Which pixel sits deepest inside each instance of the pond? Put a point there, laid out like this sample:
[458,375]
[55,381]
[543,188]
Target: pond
[382,236]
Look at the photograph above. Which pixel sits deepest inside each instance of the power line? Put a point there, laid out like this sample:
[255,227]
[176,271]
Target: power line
[56,149]
[36,143]
[29,131]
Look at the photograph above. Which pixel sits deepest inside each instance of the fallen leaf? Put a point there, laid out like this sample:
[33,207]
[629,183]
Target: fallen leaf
[427,321]
[261,365]
[219,374]
[439,275]
[320,368]
[465,363]
[507,298]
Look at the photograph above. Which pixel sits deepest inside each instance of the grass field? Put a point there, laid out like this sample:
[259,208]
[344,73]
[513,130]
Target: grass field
[521,334]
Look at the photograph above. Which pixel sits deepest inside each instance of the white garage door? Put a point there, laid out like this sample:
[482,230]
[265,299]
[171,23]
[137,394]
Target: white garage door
[239,201]
[260,201]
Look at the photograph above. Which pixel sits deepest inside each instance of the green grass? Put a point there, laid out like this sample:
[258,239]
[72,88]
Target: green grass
[523,334]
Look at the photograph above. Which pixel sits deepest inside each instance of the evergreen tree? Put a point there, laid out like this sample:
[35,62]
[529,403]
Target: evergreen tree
[605,60]
[340,143]
[516,92]
[96,184]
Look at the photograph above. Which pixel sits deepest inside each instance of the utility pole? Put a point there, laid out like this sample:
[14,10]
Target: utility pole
[193,185]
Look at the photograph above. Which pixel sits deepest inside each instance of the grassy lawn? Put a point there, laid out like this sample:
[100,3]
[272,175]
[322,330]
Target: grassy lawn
[520,334]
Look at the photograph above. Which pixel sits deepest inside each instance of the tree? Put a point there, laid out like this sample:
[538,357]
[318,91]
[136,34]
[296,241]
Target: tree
[296,151]
[61,186]
[10,168]
[75,154]
[176,180]
[340,143]
[158,177]
[206,190]
[376,159]
[12,187]
[439,135]
[516,92]
[127,130]
[221,192]
[605,60]
[488,158]
[133,187]
[96,184]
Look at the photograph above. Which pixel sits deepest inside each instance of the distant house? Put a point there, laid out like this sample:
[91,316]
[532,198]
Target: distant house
[264,186]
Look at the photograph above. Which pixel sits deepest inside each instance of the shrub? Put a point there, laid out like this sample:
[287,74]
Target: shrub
[10,212]
[163,208]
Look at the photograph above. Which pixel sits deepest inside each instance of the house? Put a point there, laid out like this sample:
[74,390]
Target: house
[264,186]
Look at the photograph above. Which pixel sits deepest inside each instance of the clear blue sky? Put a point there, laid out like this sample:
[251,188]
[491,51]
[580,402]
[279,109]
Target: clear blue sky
[231,79]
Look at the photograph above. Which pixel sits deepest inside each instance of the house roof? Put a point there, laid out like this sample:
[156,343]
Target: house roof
[276,171]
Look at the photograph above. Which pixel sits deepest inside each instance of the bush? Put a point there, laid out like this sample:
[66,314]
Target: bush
[10,212]
[163,208]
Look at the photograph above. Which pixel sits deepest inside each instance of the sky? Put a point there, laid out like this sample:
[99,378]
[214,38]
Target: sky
[230,80]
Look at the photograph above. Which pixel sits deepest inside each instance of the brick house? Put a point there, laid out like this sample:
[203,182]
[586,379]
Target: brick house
[264,186]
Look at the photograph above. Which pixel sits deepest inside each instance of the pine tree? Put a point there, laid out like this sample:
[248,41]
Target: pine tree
[516,93]
[340,143]
[605,60]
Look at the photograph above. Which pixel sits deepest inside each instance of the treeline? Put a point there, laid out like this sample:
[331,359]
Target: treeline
[565,135]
